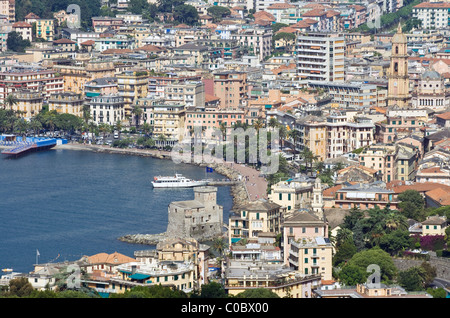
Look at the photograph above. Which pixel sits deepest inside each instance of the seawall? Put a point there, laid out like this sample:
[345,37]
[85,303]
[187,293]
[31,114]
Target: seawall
[238,191]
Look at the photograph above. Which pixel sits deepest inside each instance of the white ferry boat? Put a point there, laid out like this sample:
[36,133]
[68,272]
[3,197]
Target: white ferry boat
[177,181]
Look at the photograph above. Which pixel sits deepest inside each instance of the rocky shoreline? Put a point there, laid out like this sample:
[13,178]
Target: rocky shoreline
[238,191]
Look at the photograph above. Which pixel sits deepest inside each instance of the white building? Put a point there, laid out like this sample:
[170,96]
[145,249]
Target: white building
[434,15]
[320,57]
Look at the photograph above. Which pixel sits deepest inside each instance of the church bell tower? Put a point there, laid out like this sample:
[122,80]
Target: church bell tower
[398,85]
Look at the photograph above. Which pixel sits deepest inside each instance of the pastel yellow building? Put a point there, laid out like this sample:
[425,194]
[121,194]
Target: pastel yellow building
[75,77]
[45,29]
[254,218]
[66,103]
[29,103]
[434,225]
[286,283]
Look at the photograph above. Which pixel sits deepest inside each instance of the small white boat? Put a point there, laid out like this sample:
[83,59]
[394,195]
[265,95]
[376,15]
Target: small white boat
[177,181]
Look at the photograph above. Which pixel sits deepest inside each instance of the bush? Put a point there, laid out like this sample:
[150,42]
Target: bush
[432,242]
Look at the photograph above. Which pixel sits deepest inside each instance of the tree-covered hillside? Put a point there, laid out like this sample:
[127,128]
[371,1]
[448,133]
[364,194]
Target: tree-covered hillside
[46,8]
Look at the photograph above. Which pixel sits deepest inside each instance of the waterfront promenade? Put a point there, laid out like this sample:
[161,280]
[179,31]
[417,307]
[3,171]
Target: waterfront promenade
[255,184]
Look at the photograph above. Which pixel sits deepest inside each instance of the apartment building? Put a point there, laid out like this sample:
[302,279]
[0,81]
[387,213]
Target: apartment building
[349,94]
[100,86]
[168,120]
[24,29]
[231,88]
[211,120]
[381,158]
[320,57]
[181,275]
[108,109]
[8,8]
[292,194]
[255,41]
[312,256]
[365,196]
[29,103]
[66,103]
[101,24]
[254,218]
[36,79]
[45,29]
[132,85]
[76,75]
[344,136]
[118,42]
[400,123]
[281,280]
[191,93]
[433,14]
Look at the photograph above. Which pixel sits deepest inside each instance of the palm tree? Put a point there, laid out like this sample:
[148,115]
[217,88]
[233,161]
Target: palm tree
[11,100]
[273,122]
[147,128]
[162,139]
[309,158]
[137,112]
[118,126]
[104,128]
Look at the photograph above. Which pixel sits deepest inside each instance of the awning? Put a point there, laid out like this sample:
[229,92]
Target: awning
[139,276]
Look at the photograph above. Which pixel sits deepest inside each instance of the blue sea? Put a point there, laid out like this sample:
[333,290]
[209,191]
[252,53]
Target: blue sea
[61,204]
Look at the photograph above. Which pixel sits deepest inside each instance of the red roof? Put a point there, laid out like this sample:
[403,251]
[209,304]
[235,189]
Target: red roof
[445,116]
[21,24]
[64,41]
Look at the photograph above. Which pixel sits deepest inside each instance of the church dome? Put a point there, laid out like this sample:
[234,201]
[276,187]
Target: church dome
[431,74]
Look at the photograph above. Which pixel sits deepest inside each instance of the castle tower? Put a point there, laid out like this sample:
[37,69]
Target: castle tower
[398,85]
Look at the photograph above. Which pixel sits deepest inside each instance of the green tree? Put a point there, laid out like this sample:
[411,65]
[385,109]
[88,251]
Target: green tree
[218,13]
[437,292]
[378,257]
[345,252]
[16,43]
[285,37]
[257,293]
[412,204]
[10,101]
[154,291]
[19,287]
[211,290]
[185,13]
[351,275]
[411,279]
[395,241]
[277,26]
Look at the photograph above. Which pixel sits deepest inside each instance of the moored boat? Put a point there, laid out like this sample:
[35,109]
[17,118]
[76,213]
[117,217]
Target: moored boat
[177,181]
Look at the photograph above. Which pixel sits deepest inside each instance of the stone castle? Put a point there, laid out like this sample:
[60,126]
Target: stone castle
[201,218]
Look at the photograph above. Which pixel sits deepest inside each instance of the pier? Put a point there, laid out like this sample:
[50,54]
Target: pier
[20,146]
[222,182]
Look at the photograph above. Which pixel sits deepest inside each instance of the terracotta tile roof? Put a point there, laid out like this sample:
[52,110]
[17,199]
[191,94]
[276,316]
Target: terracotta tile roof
[309,21]
[64,41]
[31,15]
[439,195]
[399,186]
[210,98]
[431,5]
[332,13]
[150,48]
[276,6]
[88,42]
[117,51]
[264,15]
[114,258]
[287,29]
[21,24]
[314,13]
[432,170]
[301,25]
[444,116]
